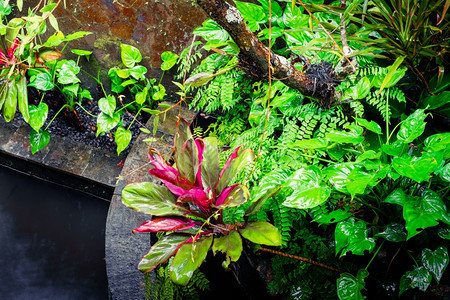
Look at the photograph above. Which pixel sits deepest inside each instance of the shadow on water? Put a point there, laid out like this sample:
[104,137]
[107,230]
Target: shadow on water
[51,241]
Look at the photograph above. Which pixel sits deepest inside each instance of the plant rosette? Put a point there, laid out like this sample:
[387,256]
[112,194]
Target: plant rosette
[189,206]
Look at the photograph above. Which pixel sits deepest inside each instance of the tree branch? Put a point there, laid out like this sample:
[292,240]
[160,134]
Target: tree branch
[317,82]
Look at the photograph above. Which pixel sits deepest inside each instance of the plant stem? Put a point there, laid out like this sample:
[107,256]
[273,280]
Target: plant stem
[375,254]
[64,106]
[301,259]
[94,116]
[135,116]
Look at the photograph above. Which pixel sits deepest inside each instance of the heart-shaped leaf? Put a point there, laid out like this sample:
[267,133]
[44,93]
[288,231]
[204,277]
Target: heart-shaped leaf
[38,115]
[39,139]
[418,278]
[416,168]
[107,105]
[130,55]
[412,127]
[349,287]
[352,236]
[123,138]
[435,261]
[169,60]
[106,122]
[394,232]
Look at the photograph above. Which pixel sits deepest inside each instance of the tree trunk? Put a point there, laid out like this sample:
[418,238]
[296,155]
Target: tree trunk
[318,80]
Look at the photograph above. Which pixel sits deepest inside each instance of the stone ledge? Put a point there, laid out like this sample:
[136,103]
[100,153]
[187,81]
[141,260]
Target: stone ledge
[63,161]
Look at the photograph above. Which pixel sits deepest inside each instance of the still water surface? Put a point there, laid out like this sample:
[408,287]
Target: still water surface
[52,243]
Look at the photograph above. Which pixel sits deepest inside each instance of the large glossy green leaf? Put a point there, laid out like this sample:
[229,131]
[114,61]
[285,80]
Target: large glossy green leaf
[107,105]
[10,104]
[106,122]
[253,14]
[161,251]
[38,115]
[308,189]
[42,81]
[416,168]
[397,148]
[337,174]
[394,232]
[211,31]
[351,235]
[188,258]
[68,71]
[210,165]
[435,261]
[122,138]
[352,136]
[231,245]
[423,212]
[39,139]
[349,287]
[261,232]
[332,217]
[358,179]
[418,278]
[22,97]
[151,198]
[398,196]
[130,55]
[316,143]
[412,127]
[439,142]
[269,186]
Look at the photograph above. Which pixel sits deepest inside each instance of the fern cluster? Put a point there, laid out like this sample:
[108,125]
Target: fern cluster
[163,288]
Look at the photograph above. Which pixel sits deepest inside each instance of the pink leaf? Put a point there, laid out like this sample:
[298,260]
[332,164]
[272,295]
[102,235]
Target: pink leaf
[200,147]
[221,199]
[198,197]
[166,224]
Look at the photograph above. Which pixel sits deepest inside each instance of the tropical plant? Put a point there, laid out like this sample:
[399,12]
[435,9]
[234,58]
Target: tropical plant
[22,53]
[190,204]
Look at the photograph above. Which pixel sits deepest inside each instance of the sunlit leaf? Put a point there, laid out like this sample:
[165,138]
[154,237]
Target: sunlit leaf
[230,245]
[122,138]
[412,127]
[261,232]
[130,55]
[38,115]
[39,139]
[351,235]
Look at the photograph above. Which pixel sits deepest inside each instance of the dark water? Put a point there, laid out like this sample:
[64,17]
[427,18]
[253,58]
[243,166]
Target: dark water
[52,243]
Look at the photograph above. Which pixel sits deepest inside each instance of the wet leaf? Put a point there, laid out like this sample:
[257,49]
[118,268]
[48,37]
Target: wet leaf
[188,258]
[151,198]
[397,148]
[332,217]
[107,105]
[394,232]
[372,126]
[138,72]
[412,127]
[22,98]
[444,233]
[68,72]
[352,136]
[418,278]
[161,251]
[416,168]
[39,139]
[261,232]
[42,81]
[337,174]
[169,60]
[423,212]
[166,224]
[10,104]
[210,165]
[130,55]
[230,245]
[435,261]
[349,287]
[352,236]
[398,196]
[106,122]
[38,115]
[439,142]
[122,138]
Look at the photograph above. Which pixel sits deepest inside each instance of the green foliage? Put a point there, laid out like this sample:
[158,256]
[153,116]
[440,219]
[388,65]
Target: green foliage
[163,288]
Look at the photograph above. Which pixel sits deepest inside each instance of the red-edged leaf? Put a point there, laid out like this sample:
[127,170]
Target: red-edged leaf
[237,161]
[198,197]
[161,251]
[166,224]
[189,159]
[182,134]
[232,196]
[210,164]
[168,174]
[151,198]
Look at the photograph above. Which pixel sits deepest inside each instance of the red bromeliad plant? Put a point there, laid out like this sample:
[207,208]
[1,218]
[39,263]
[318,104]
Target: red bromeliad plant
[189,206]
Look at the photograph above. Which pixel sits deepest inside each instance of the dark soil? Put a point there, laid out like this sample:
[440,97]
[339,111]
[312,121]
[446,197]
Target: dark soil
[79,125]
